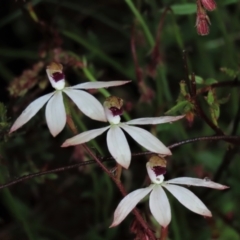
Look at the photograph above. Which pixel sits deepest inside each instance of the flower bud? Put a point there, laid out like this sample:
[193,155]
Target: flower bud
[209,5]
[202,22]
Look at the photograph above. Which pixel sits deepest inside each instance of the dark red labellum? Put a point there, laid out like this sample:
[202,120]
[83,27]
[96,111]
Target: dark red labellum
[116,112]
[158,170]
[57,76]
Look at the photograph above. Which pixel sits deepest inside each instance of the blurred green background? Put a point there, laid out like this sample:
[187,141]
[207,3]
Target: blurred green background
[114,40]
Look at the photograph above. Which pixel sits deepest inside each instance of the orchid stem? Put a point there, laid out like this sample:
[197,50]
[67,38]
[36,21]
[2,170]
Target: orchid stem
[142,22]
[119,172]
[104,92]
[122,190]
[73,128]
[91,78]
[164,233]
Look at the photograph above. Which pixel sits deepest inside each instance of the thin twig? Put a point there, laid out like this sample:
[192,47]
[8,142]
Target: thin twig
[211,138]
[107,159]
[234,83]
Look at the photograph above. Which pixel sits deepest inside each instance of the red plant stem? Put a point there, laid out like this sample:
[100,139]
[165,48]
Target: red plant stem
[115,180]
[164,233]
[105,159]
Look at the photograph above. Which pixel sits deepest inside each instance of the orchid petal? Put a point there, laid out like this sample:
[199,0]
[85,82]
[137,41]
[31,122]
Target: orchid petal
[30,111]
[128,203]
[96,85]
[56,114]
[154,120]
[118,146]
[188,199]
[88,104]
[146,139]
[84,137]
[159,206]
[197,182]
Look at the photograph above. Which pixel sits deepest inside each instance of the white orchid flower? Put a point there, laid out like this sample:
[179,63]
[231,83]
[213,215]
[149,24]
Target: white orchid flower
[55,110]
[158,201]
[116,140]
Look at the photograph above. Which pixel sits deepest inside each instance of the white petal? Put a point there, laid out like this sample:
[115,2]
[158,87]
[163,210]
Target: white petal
[30,111]
[56,114]
[159,206]
[95,85]
[88,104]
[146,139]
[128,203]
[118,146]
[197,182]
[84,137]
[188,199]
[154,120]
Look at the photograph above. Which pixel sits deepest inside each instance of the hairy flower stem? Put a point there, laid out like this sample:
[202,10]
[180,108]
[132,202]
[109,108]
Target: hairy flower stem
[164,233]
[105,159]
[119,172]
[116,179]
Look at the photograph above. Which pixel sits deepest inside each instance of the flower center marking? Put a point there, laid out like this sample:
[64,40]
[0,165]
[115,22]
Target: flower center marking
[58,76]
[115,111]
[158,170]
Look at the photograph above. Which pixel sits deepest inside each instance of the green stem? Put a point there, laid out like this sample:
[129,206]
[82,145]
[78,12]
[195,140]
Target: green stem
[99,53]
[104,92]
[162,85]
[91,78]
[142,22]
[177,32]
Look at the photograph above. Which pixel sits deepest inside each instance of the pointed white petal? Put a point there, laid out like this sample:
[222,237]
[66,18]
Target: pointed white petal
[128,204]
[159,206]
[30,111]
[118,146]
[95,85]
[84,137]
[188,199]
[197,182]
[146,139]
[154,120]
[88,104]
[56,114]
